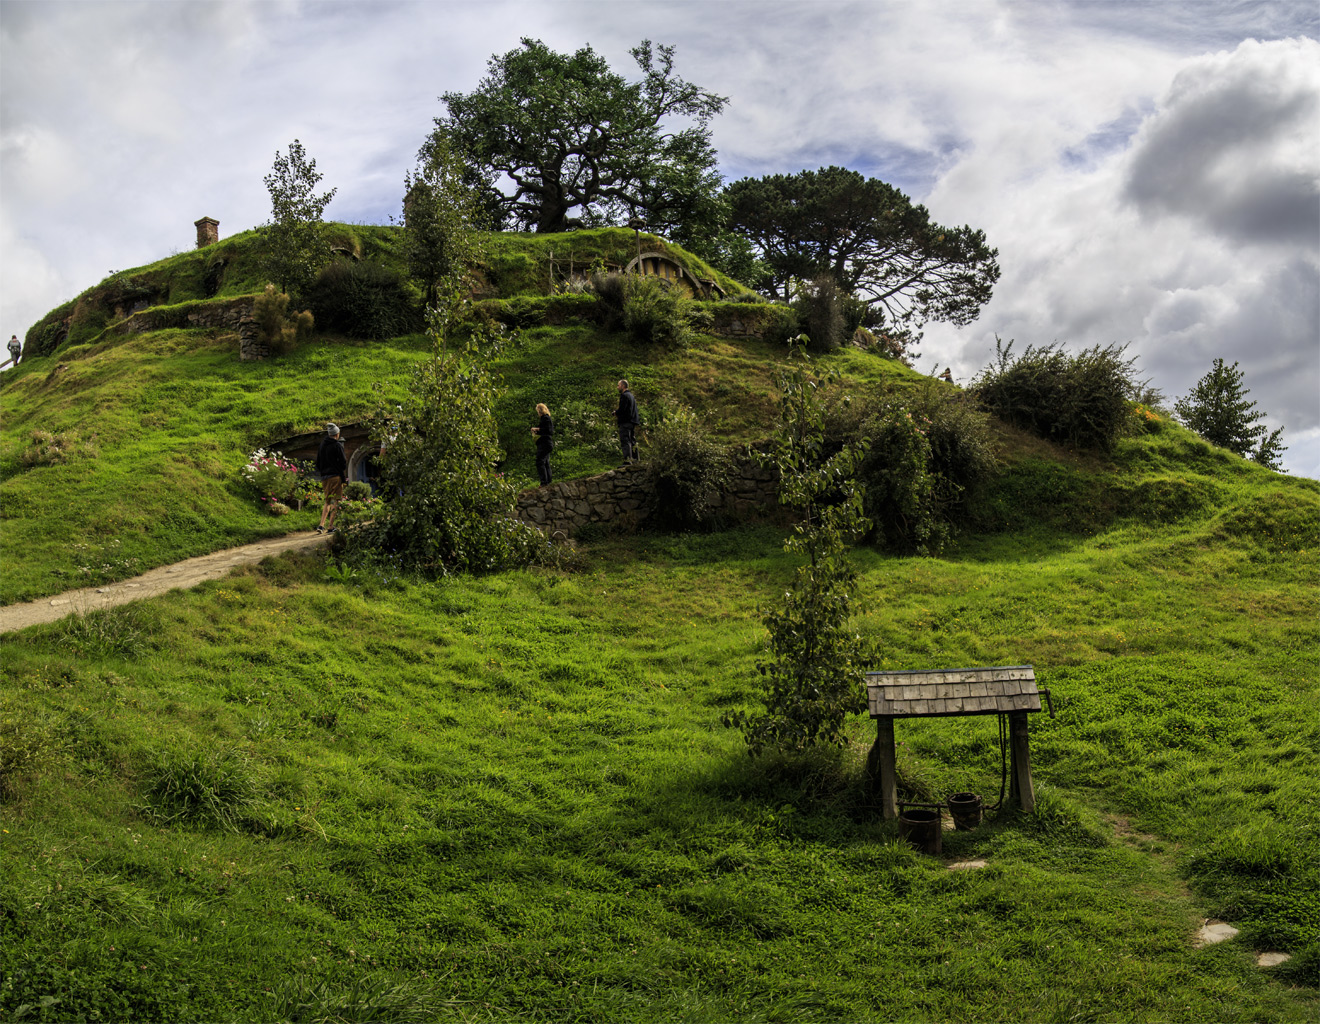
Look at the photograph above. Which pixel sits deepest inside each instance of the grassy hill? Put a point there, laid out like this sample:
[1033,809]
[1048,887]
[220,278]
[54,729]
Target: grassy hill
[293,796]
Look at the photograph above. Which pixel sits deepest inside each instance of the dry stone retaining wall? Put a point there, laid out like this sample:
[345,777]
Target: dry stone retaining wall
[625,498]
[234,315]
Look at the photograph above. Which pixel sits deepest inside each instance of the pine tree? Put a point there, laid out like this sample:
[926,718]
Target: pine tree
[1218,410]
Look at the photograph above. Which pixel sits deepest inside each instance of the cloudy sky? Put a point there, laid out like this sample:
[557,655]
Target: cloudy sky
[1150,172]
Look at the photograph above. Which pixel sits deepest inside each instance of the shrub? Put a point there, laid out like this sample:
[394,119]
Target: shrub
[275,329]
[364,300]
[208,788]
[1078,399]
[900,495]
[930,455]
[272,477]
[650,310]
[814,671]
[357,490]
[689,471]
[451,510]
[48,449]
[820,314]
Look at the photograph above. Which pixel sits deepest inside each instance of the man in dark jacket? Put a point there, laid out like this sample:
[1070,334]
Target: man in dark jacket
[627,419]
[332,468]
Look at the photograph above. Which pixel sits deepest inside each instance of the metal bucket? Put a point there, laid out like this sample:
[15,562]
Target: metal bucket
[921,828]
[966,810]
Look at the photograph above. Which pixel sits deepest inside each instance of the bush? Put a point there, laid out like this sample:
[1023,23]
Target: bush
[357,490]
[689,471]
[930,456]
[900,490]
[450,511]
[650,310]
[275,329]
[1077,399]
[272,477]
[364,300]
[820,314]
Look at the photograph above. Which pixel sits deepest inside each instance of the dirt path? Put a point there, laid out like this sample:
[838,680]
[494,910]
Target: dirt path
[180,576]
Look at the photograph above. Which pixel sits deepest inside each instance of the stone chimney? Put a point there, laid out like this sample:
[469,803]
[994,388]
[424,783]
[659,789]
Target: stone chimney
[208,232]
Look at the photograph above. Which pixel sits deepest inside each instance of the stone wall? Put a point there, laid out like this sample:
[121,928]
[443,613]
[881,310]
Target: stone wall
[625,498]
[233,314]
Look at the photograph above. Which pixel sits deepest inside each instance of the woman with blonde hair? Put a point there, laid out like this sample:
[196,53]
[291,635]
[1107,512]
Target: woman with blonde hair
[544,432]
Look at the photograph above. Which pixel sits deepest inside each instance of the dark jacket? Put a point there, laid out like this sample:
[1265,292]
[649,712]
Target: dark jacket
[626,413]
[331,460]
[545,434]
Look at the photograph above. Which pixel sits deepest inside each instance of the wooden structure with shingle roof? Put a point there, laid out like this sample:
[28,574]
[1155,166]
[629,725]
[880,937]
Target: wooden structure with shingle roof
[1009,690]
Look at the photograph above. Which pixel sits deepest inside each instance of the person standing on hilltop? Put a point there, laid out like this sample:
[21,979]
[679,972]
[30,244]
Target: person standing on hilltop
[627,419]
[15,348]
[332,468]
[544,432]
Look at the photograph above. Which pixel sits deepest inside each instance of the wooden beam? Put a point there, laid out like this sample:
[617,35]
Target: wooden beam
[1021,791]
[881,767]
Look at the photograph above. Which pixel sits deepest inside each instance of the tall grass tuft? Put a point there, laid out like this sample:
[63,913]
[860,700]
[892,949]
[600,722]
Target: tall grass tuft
[208,788]
[124,631]
[373,999]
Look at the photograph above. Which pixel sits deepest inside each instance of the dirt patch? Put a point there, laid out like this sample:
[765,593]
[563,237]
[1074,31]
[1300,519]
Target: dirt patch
[179,576]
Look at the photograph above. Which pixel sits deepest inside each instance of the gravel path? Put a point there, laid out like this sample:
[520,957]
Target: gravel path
[179,576]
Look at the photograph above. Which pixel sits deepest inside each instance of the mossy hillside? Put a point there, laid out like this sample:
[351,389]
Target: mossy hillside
[404,788]
[423,784]
[514,264]
[174,414]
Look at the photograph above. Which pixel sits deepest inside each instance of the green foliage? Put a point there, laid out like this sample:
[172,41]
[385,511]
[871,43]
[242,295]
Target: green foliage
[814,674]
[930,455]
[648,309]
[440,211]
[657,314]
[276,329]
[820,314]
[293,245]
[573,136]
[450,510]
[207,788]
[1079,399]
[689,471]
[1218,410]
[869,237]
[363,300]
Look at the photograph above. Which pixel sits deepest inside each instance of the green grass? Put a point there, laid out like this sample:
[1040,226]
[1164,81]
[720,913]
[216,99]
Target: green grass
[510,797]
[286,796]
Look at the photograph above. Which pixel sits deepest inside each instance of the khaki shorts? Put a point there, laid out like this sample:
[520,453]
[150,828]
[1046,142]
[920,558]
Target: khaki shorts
[334,488]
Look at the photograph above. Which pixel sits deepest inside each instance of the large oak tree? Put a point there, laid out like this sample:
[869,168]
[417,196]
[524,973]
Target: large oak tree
[563,140]
[871,239]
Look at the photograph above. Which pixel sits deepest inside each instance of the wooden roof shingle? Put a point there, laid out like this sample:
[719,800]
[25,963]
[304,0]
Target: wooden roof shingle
[963,691]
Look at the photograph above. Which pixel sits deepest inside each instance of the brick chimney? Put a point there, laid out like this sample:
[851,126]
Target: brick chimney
[208,232]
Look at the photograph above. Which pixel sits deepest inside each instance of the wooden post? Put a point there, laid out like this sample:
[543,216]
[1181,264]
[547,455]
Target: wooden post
[881,768]
[1020,788]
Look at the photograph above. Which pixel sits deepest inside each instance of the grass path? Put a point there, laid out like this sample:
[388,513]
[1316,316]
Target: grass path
[179,576]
